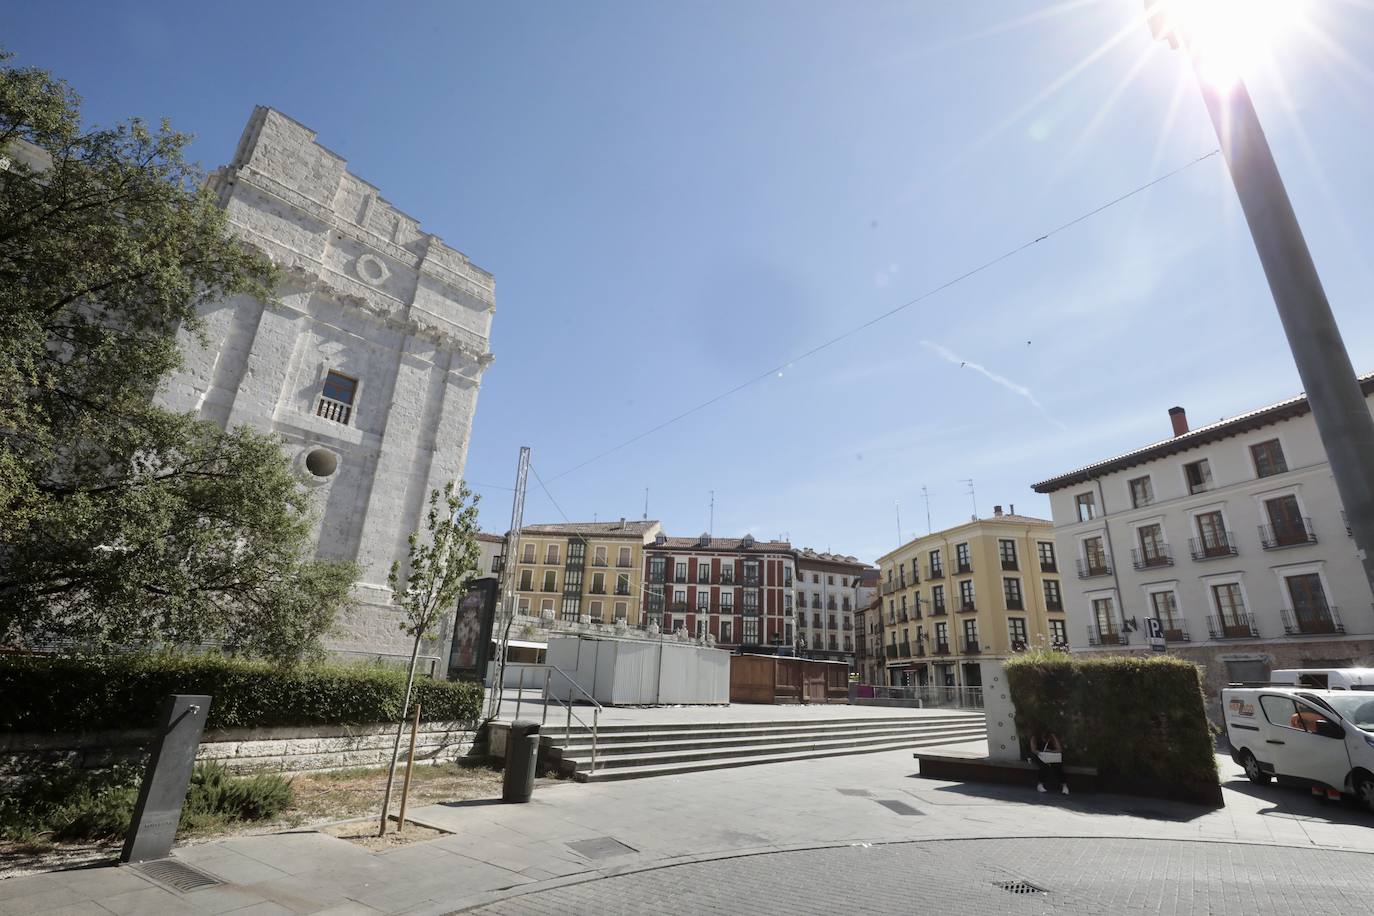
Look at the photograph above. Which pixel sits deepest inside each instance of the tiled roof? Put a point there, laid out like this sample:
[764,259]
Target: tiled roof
[490,538]
[1203,435]
[806,553]
[727,544]
[629,527]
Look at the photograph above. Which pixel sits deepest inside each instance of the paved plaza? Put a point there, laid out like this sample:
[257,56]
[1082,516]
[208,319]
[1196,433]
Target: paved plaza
[863,833]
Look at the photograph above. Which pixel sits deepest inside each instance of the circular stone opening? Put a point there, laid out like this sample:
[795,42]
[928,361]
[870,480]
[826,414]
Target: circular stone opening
[322,462]
[371,268]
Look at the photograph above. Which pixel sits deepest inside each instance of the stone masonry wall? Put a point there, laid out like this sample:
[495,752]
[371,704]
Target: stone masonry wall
[244,750]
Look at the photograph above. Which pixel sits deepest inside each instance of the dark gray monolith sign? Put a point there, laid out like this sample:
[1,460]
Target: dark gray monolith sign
[163,792]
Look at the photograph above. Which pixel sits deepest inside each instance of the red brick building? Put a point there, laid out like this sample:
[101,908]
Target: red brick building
[738,590]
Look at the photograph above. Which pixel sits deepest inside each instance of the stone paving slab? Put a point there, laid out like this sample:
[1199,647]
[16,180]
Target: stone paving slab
[496,851]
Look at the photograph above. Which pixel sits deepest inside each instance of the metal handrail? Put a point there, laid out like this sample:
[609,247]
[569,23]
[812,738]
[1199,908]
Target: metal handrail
[567,727]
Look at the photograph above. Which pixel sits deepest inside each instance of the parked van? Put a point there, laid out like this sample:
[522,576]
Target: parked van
[1322,737]
[1326,678]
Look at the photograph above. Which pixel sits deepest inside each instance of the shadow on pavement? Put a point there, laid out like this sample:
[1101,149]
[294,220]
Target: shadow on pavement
[1289,799]
[1087,803]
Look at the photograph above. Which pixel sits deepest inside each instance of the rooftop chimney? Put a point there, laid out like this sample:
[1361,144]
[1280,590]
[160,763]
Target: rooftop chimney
[1012,509]
[997,511]
[1179,417]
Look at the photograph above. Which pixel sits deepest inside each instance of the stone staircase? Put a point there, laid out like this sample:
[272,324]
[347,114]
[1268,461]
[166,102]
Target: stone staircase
[634,751]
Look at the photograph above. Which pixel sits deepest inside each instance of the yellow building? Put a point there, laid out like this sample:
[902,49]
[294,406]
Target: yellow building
[984,589]
[582,571]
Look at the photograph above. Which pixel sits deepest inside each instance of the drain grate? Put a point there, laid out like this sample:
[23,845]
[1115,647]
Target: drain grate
[899,807]
[601,847]
[177,875]
[1019,887]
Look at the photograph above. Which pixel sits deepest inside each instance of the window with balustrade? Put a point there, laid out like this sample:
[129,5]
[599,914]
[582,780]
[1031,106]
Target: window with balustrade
[336,398]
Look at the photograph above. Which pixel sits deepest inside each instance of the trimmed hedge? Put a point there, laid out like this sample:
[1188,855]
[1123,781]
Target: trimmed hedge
[1139,719]
[97,693]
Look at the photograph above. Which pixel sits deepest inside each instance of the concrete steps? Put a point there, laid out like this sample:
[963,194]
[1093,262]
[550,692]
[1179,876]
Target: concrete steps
[632,751]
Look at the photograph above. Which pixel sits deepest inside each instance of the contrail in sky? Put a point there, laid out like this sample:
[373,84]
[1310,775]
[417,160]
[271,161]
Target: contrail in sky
[950,356]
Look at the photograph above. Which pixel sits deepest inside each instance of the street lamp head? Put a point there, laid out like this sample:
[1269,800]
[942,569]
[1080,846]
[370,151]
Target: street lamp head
[1225,37]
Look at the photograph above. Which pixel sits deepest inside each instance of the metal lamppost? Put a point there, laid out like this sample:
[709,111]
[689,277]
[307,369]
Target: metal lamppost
[1333,393]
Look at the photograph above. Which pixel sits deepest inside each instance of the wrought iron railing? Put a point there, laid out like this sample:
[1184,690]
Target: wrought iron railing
[1312,621]
[1290,534]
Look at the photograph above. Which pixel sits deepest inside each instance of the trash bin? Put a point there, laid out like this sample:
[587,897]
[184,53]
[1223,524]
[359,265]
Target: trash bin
[522,755]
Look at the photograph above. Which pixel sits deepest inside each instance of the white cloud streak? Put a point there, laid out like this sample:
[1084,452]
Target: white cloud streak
[953,358]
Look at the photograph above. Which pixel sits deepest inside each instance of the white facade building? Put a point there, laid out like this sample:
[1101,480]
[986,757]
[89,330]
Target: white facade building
[367,365]
[828,588]
[1232,536]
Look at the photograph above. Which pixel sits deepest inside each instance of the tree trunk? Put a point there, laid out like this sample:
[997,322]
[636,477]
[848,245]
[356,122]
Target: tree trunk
[400,730]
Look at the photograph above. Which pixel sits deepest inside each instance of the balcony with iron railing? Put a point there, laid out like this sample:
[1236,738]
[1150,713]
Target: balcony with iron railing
[830,605]
[890,650]
[920,650]
[1049,566]
[1010,565]
[1312,621]
[1151,558]
[938,610]
[751,581]
[935,572]
[624,564]
[595,590]
[1090,569]
[1113,637]
[904,650]
[600,562]
[1211,547]
[335,411]
[622,590]
[968,645]
[1292,534]
[1239,626]
[1015,604]
[941,648]
[963,569]
[968,607]
[1176,631]
[1054,605]
[903,617]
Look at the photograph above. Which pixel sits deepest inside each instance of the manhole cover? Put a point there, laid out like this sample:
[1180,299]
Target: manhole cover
[854,793]
[1019,887]
[899,807]
[601,847]
[178,875]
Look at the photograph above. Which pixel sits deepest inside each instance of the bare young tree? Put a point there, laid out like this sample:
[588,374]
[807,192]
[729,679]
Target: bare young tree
[438,572]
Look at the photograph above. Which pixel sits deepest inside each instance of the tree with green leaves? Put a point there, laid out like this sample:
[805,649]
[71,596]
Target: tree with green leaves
[125,523]
[439,569]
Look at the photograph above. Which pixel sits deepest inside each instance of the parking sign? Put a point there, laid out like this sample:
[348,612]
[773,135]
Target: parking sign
[1154,634]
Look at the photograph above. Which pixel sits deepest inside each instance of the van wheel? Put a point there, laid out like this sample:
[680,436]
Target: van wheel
[1364,790]
[1252,769]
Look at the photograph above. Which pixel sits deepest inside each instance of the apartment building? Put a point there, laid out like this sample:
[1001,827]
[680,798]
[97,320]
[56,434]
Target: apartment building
[582,572]
[1232,536]
[984,589]
[826,595]
[736,590]
[868,642]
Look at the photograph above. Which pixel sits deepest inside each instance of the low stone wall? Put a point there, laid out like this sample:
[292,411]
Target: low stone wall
[289,749]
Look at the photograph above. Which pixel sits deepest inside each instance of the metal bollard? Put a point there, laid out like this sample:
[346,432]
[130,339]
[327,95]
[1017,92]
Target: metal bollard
[522,756]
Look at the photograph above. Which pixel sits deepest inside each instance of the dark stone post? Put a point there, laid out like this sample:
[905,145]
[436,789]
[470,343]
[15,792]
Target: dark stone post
[163,792]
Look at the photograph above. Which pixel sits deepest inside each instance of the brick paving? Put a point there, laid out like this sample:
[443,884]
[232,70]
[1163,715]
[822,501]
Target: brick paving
[1087,876]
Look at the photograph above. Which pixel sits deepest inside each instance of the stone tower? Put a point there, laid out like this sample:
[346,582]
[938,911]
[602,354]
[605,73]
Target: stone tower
[367,365]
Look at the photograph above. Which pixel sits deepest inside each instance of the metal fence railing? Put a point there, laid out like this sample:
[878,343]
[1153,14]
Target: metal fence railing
[924,697]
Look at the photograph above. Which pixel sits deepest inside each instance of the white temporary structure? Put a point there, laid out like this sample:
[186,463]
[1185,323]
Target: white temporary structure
[633,672]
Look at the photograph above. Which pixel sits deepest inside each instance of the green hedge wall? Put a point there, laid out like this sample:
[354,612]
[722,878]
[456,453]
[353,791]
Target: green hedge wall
[91,693]
[1138,719]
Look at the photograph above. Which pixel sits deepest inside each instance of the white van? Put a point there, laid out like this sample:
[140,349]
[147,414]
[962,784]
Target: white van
[1326,678]
[1323,737]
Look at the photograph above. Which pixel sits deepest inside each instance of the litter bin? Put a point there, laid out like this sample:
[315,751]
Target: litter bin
[522,754]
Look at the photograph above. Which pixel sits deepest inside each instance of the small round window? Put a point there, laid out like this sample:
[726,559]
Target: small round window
[322,462]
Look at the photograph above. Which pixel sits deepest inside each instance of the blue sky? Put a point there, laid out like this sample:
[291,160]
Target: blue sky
[677,197]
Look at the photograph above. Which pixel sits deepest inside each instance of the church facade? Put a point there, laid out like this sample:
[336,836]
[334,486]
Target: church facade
[367,363]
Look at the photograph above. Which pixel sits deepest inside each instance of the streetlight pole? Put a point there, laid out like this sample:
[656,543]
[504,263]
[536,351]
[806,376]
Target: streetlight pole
[1333,392]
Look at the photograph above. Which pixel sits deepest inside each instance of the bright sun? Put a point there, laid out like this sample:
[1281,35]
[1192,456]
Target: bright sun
[1229,37]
